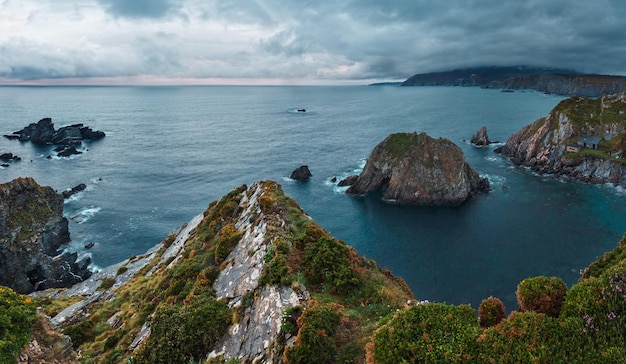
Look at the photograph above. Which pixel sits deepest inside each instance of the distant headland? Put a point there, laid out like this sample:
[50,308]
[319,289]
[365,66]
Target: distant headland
[549,80]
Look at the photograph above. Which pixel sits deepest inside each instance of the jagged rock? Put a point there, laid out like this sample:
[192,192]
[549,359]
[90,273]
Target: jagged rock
[301,173]
[480,138]
[43,132]
[412,168]
[74,190]
[32,228]
[47,346]
[556,144]
[348,181]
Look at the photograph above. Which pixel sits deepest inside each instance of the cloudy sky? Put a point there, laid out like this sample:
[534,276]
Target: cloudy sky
[299,41]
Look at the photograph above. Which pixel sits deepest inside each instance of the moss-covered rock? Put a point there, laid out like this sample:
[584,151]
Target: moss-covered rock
[412,168]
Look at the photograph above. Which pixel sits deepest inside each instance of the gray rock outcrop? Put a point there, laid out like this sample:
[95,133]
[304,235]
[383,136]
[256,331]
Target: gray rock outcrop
[301,173]
[32,229]
[417,169]
[480,138]
[43,132]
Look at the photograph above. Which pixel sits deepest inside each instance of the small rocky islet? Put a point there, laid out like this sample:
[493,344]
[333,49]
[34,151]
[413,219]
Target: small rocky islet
[66,138]
[412,168]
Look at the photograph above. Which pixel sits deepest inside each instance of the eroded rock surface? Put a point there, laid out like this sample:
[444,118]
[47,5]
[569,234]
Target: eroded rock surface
[32,229]
[412,168]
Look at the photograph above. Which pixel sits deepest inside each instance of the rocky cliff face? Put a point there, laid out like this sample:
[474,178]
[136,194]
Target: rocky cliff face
[249,279]
[564,84]
[417,169]
[581,138]
[32,228]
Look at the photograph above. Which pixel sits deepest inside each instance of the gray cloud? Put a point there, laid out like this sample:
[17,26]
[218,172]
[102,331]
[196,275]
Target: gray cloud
[141,8]
[332,40]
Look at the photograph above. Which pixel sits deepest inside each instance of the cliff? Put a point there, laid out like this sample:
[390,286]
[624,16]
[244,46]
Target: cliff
[548,80]
[564,84]
[417,169]
[32,228]
[476,76]
[252,279]
[581,138]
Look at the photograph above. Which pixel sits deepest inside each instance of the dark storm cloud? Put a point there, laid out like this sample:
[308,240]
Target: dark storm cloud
[141,8]
[327,40]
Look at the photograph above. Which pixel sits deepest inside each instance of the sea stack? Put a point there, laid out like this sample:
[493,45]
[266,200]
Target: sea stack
[411,168]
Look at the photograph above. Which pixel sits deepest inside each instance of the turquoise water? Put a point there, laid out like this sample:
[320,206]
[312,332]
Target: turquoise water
[170,151]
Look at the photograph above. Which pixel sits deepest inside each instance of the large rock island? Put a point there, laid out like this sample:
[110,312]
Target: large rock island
[32,229]
[580,138]
[412,168]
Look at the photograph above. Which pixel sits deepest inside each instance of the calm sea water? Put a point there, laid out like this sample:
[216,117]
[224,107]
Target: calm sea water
[170,151]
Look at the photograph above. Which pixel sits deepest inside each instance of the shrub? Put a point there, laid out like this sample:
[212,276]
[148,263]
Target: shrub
[17,313]
[326,261]
[430,333]
[491,312]
[542,295]
[183,332]
[530,337]
[316,337]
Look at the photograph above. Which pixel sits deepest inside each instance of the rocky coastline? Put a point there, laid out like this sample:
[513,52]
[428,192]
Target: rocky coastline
[580,139]
[32,229]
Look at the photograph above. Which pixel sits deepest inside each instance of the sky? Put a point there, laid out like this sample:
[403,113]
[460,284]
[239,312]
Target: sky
[289,42]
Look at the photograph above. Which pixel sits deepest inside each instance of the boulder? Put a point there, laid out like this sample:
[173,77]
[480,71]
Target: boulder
[74,190]
[32,229]
[480,138]
[301,173]
[71,150]
[412,168]
[348,181]
[9,157]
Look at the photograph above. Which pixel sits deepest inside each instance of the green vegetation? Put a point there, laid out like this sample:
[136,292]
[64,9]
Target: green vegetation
[358,311]
[430,333]
[585,324]
[17,313]
[491,311]
[542,295]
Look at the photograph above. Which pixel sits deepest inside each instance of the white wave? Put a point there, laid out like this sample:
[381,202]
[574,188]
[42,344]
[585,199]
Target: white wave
[493,158]
[494,180]
[75,197]
[85,214]
[616,189]
[287,179]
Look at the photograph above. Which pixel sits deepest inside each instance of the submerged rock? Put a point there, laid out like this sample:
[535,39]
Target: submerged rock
[412,168]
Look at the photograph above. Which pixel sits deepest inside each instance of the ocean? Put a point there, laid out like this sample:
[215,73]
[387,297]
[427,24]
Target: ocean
[170,151]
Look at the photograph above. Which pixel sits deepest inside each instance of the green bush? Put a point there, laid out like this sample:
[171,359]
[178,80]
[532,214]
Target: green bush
[316,341]
[542,295]
[180,333]
[17,313]
[430,333]
[326,262]
[531,337]
[491,312]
